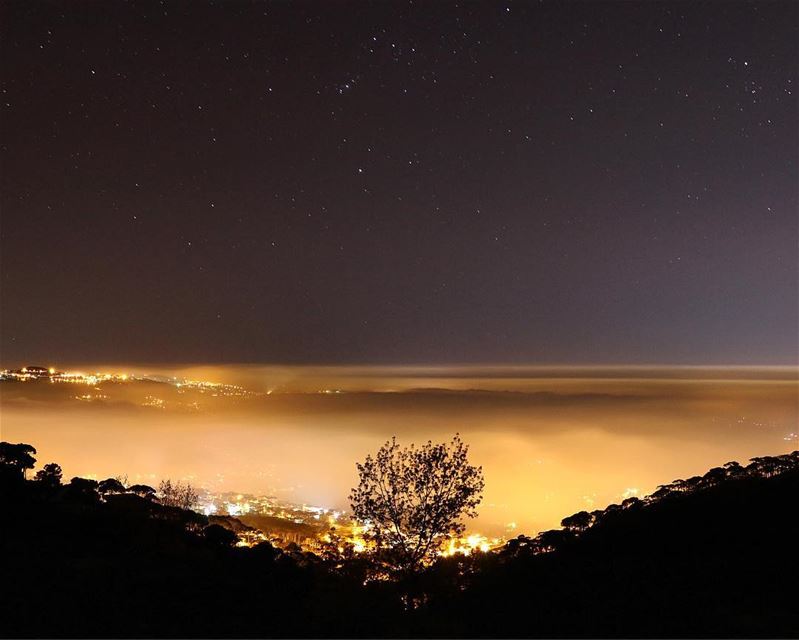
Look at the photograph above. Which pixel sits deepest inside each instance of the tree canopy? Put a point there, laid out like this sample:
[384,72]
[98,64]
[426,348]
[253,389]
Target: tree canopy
[17,456]
[413,498]
[50,474]
[177,494]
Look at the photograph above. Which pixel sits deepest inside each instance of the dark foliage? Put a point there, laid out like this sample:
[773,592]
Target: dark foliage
[110,485]
[142,490]
[77,563]
[414,497]
[17,457]
[50,474]
[220,536]
[711,556]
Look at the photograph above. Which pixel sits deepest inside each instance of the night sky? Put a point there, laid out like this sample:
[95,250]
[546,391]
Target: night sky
[399,182]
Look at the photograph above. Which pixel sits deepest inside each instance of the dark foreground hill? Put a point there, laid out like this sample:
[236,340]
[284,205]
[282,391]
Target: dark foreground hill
[710,556]
[719,562]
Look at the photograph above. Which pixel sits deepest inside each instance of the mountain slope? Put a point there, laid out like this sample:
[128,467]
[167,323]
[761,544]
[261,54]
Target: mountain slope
[712,556]
[722,561]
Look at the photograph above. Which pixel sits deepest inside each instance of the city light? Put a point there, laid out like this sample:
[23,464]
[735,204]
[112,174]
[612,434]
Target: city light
[322,525]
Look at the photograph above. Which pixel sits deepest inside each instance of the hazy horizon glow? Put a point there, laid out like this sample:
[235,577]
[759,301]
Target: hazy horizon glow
[551,440]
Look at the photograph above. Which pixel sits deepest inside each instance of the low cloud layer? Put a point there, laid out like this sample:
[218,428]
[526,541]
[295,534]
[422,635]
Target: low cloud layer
[551,441]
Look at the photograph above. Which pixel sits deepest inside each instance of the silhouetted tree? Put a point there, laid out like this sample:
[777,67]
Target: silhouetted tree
[577,522]
[693,483]
[177,494]
[663,491]
[734,470]
[714,476]
[111,485]
[678,486]
[188,496]
[519,544]
[142,490]
[17,456]
[629,503]
[50,475]
[611,508]
[552,539]
[413,498]
[83,490]
[769,466]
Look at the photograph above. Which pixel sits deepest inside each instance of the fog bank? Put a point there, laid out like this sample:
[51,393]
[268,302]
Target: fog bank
[551,441]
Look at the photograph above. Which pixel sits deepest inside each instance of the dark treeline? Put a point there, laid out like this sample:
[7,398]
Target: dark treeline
[715,555]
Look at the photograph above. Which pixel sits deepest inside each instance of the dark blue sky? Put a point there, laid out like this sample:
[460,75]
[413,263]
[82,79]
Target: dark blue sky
[395,182]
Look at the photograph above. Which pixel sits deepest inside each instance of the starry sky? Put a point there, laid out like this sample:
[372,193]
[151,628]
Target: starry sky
[375,182]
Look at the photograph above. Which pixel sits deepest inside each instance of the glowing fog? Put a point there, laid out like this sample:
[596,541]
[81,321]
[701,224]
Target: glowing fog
[551,441]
